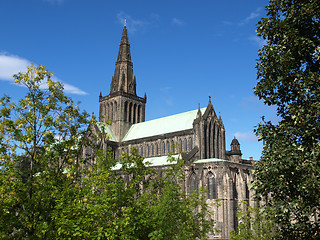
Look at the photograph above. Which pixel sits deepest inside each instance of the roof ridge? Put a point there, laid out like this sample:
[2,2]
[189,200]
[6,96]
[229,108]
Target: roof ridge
[202,110]
[159,126]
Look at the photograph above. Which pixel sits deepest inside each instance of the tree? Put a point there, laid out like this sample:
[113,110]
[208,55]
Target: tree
[174,214]
[39,136]
[288,72]
[131,201]
[50,189]
[254,224]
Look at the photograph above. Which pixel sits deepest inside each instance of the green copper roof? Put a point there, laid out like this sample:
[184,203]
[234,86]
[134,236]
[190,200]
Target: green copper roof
[209,160]
[163,160]
[153,162]
[174,123]
[107,130]
[160,161]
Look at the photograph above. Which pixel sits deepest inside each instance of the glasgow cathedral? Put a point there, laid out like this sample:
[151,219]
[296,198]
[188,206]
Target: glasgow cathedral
[198,136]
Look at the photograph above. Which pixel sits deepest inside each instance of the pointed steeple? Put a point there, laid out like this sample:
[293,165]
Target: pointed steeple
[122,107]
[123,74]
[124,50]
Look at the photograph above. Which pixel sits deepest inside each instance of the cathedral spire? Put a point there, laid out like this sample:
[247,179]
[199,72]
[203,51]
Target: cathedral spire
[122,107]
[124,50]
[123,81]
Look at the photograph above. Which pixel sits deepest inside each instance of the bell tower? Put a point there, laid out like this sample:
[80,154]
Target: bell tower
[122,107]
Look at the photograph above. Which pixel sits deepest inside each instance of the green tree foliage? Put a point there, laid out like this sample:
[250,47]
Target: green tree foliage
[288,78]
[131,201]
[32,161]
[50,190]
[254,224]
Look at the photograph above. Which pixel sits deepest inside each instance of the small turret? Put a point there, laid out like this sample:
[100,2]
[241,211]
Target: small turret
[235,145]
[235,153]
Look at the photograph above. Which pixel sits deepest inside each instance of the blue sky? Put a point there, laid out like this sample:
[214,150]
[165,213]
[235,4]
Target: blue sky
[183,51]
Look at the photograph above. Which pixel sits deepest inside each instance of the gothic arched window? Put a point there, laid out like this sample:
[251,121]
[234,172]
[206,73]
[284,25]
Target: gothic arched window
[115,111]
[152,146]
[111,111]
[193,183]
[130,113]
[247,192]
[126,111]
[185,145]
[211,186]
[163,148]
[107,111]
[157,149]
[180,143]
[235,190]
[134,113]
[139,114]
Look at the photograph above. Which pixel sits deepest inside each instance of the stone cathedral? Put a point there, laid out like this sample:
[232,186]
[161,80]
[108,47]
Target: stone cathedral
[198,134]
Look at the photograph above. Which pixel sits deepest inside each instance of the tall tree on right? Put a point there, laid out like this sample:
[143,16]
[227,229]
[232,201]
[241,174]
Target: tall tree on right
[288,72]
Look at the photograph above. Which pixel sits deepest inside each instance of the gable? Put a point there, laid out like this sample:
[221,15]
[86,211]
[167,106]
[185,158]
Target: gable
[107,130]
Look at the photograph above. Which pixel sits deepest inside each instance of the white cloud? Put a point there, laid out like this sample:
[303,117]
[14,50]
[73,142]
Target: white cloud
[11,64]
[258,41]
[132,24]
[252,15]
[177,21]
[246,136]
[71,89]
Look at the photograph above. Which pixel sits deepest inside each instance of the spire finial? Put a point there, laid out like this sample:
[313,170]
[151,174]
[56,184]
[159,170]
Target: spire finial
[125,21]
[199,115]
[210,99]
